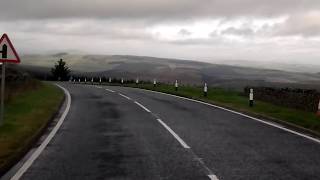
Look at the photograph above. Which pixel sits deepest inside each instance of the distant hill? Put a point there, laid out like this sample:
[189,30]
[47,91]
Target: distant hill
[167,70]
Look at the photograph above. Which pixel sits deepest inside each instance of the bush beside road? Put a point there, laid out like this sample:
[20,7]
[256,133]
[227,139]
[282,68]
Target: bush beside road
[27,114]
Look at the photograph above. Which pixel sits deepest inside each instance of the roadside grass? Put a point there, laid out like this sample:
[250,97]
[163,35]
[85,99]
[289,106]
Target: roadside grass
[234,100]
[26,114]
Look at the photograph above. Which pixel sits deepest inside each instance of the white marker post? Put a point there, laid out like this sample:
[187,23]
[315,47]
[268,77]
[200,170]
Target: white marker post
[91,80]
[176,85]
[251,98]
[8,55]
[121,80]
[85,80]
[110,80]
[137,81]
[205,90]
[100,80]
[154,82]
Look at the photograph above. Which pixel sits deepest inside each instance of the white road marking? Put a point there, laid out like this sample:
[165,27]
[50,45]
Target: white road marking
[124,96]
[176,136]
[146,109]
[213,177]
[44,144]
[184,145]
[110,90]
[244,115]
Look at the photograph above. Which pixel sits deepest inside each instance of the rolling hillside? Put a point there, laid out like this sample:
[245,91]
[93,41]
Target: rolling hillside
[167,70]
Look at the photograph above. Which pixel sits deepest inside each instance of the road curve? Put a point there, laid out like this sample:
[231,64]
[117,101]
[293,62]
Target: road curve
[124,133]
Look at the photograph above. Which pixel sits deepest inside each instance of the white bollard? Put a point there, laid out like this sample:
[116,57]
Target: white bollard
[154,82]
[176,85]
[110,80]
[79,80]
[205,90]
[100,80]
[121,80]
[137,81]
[251,98]
[85,80]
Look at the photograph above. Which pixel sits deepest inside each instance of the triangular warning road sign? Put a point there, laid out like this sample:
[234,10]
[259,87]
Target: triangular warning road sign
[7,51]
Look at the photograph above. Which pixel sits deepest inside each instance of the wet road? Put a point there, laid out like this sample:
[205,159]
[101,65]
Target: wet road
[123,133]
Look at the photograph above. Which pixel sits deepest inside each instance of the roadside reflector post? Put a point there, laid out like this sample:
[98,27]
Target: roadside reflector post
[121,80]
[85,80]
[91,80]
[100,80]
[137,81]
[251,98]
[154,82]
[176,85]
[110,80]
[205,90]
[79,80]
[318,112]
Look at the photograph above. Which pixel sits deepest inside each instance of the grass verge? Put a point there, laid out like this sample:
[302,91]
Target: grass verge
[26,116]
[301,120]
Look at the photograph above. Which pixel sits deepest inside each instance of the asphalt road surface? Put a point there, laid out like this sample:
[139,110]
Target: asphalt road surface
[123,133]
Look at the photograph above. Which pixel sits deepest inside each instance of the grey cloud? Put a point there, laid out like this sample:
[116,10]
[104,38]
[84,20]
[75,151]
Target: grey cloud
[150,9]
[184,32]
[121,27]
[238,31]
[306,25]
[80,28]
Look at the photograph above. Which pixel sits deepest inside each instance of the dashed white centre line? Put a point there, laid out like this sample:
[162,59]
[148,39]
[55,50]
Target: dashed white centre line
[110,90]
[184,145]
[124,96]
[146,109]
[241,114]
[213,177]
[176,136]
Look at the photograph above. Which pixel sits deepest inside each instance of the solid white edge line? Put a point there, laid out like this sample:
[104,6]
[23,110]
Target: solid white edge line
[241,114]
[43,145]
[184,145]
[109,90]
[146,109]
[124,96]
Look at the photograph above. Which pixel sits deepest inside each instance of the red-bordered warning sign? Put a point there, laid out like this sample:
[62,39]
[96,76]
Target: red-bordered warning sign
[7,51]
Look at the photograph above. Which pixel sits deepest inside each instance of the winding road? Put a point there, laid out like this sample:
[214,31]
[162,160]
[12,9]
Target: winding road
[124,133]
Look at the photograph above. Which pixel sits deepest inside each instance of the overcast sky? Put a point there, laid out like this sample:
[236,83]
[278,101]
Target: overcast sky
[261,30]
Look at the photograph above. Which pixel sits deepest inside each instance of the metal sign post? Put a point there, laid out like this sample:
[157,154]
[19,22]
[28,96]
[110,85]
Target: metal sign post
[3,80]
[8,54]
